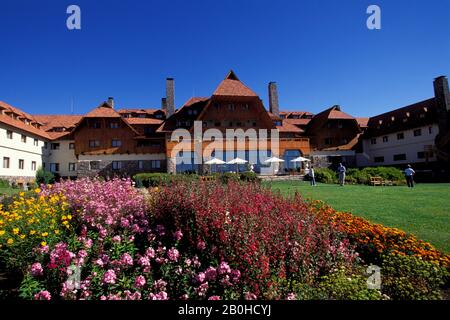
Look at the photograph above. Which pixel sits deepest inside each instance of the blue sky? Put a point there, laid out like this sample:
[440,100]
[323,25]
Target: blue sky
[319,52]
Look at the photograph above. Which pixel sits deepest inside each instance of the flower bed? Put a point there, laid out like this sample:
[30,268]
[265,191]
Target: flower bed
[106,240]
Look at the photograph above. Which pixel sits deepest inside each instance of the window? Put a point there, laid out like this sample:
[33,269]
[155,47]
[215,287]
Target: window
[277,123]
[116,143]
[378,159]
[231,107]
[5,163]
[148,131]
[71,146]
[385,139]
[399,157]
[373,141]
[71,166]
[141,164]
[114,125]
[94,143]
[94,165]
[328,140]
[116,165]
[217,124]
[97,125]
[421,155]
[344,140]
[23,138]
[156,164]
[246,107]
[45,145]
[36,142]
[33,165]
[417,132]
[54,146]
[400,136]
[430,130]
[21,164]
[340,125]
[217,106]
[54,167]
[9,134]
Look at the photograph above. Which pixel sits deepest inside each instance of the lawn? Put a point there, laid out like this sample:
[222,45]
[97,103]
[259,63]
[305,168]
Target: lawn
[423,211]
[8,191]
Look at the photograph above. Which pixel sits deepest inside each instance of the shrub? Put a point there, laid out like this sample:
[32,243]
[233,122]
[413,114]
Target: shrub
[44,177]
[4,183]
[149,180]
[387,173]
[249,177]
[325,175]
[411,278]
[30,222]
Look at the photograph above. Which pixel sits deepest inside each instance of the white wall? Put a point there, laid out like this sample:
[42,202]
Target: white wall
[63,156]
[15,149]
[122,157]
[410,146]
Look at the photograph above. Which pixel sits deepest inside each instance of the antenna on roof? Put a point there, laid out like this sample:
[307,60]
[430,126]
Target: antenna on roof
[71,105]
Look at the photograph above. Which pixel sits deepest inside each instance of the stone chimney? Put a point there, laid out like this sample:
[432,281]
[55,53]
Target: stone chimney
[273,99]
[442,96]
[170,97]
[164,104]
[111,102]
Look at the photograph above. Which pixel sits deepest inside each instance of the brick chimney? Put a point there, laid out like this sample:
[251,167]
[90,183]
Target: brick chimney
[111,102]
[442,96]
[170,97]
[273,99]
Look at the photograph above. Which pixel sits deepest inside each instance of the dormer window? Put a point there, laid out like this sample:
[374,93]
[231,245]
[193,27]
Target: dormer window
[278,123]
[392,118]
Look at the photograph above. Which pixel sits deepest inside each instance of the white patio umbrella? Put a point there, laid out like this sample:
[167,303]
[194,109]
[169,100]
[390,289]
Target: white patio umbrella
[300,159]
[237,162]
[274,160]
[214,161]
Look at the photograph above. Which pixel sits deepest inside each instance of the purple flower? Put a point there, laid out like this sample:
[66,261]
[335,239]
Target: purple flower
[201,245]
[150,253]
[109,277]
[291,296]
[211,274]
[250,296]
[173,254]
[159,296]
[235,275]
[37,270]
[144,261]
[214,298]
[116,239]
[140,281]
[200,277]
[43,295]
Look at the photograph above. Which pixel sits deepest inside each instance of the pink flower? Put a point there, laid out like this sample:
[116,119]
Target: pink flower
[178,235]
[211,274]
[224,268]
[109,277]
[291,296]
[235,275]
[37,270]
[214,298]
[173,254]
[150,252]
[159,296]
[201,245]
[43,295]
[116,239]
[200,277]
[144,261]
[250,296]
[140,281]
[126,259]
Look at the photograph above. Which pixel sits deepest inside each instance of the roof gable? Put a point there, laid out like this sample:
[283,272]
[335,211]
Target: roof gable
[231,86]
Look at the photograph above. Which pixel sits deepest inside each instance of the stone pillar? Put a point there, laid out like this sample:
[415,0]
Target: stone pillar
[171,165]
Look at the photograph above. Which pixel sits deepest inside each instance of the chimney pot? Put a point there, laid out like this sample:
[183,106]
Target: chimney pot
[111,102]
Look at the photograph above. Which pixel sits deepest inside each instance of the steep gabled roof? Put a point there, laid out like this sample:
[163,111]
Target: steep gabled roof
[231,86]
[50,122]
[103,111]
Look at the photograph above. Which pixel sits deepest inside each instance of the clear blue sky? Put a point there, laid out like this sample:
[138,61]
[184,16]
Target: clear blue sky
[319,52]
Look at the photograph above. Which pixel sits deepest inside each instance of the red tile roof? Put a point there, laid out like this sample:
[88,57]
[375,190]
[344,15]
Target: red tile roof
[137,121]
[18,124]
[50,122]
[103,111]
[363,122]
[298,122]
[288,127]
[232,86]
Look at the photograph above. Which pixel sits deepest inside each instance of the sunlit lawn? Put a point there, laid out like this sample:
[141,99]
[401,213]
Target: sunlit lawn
[423,211]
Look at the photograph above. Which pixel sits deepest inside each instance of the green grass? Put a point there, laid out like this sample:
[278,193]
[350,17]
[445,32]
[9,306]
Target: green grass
[423,211]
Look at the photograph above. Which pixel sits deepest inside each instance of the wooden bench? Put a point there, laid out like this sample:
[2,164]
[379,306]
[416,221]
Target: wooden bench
[207,178]
[377,181]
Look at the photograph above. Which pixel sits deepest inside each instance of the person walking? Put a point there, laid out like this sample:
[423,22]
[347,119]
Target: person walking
[409,175]
[341,172]
[312,176]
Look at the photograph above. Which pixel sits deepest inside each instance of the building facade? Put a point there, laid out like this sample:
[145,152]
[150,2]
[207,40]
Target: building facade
[121,142]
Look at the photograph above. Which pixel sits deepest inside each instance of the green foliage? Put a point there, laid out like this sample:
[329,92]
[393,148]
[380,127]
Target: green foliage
[411,278]
[148,180]
[325,175]
[44,177]
[4,183]
[387,173]
[249,177]
[29,287]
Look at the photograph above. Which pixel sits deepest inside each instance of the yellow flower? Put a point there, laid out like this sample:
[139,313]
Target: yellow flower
[44,234]
[16,230]
[10,241]
[43,243]
[22,236]
[32,232]
[37,190]
[2,232]
[56,231]
[69,217]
